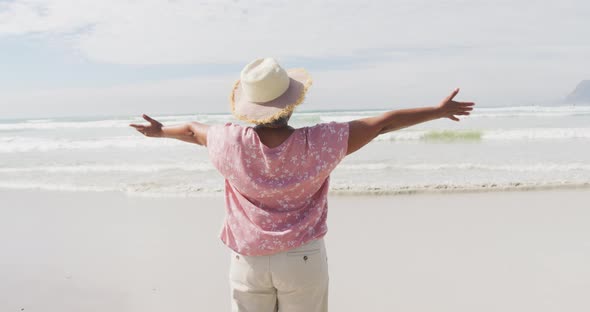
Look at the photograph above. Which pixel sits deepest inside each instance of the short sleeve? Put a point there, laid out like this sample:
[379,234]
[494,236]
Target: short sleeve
[328,143]
[222,139]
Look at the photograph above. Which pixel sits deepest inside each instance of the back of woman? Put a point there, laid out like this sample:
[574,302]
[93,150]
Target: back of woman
[276,196]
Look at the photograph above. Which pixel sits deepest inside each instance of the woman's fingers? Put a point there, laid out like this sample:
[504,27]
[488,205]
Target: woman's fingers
[455,108]
[148,130]
[459,107]
[464,104]
[139,128]
[461,111]
[151,120]
[144,128]
[450,98]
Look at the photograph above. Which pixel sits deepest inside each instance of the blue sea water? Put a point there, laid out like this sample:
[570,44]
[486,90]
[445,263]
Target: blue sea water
[504,148]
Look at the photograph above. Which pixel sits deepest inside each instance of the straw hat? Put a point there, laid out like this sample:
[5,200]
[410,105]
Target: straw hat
[267,92]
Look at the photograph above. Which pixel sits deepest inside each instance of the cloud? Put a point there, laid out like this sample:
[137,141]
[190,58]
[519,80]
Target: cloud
[384,85]
[188,95]
[221,31]
[362,54]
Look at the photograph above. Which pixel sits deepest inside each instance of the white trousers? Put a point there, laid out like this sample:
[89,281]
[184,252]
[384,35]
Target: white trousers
[291,281]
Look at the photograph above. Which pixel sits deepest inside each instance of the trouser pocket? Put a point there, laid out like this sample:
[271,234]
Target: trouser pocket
[305,254]
[301,268]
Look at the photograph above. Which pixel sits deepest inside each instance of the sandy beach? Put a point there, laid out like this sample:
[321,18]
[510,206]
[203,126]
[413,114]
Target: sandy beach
[503,251]
[457,151]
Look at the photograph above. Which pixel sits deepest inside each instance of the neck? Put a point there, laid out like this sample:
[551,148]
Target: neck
[273,127]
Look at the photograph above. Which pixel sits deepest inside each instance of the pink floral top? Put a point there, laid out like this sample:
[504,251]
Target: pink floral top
[275,198]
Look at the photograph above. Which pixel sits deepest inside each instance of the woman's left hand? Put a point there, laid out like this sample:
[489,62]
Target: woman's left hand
[154,129]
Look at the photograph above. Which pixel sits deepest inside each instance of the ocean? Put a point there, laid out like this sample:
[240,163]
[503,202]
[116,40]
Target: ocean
[494,149]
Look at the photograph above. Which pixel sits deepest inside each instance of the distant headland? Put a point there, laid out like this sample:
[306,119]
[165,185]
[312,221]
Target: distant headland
[581,94]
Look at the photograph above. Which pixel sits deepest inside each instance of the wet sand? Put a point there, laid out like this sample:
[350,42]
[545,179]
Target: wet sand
[502,251]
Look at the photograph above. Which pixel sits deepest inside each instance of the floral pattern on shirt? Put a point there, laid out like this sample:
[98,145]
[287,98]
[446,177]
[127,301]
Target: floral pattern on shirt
[276,198]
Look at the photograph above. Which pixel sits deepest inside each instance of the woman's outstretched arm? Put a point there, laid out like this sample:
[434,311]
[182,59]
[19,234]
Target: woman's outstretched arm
[192,132]
[363,131]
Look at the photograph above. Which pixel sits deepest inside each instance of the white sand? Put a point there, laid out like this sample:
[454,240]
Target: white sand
[521,251]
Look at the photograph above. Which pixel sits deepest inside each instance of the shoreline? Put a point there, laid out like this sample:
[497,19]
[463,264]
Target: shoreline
[336,191]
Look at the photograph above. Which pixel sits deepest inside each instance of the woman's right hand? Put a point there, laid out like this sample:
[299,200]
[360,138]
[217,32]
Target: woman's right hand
[451,109]
[154,129]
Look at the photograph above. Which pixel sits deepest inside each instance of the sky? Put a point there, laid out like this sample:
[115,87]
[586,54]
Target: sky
[121,57]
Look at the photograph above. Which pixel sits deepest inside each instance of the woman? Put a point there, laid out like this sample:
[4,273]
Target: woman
[277,180]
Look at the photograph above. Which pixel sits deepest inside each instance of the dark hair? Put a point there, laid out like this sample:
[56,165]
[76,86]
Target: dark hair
[278,123]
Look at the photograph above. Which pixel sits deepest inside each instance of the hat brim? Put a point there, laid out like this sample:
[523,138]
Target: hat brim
[267,112]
